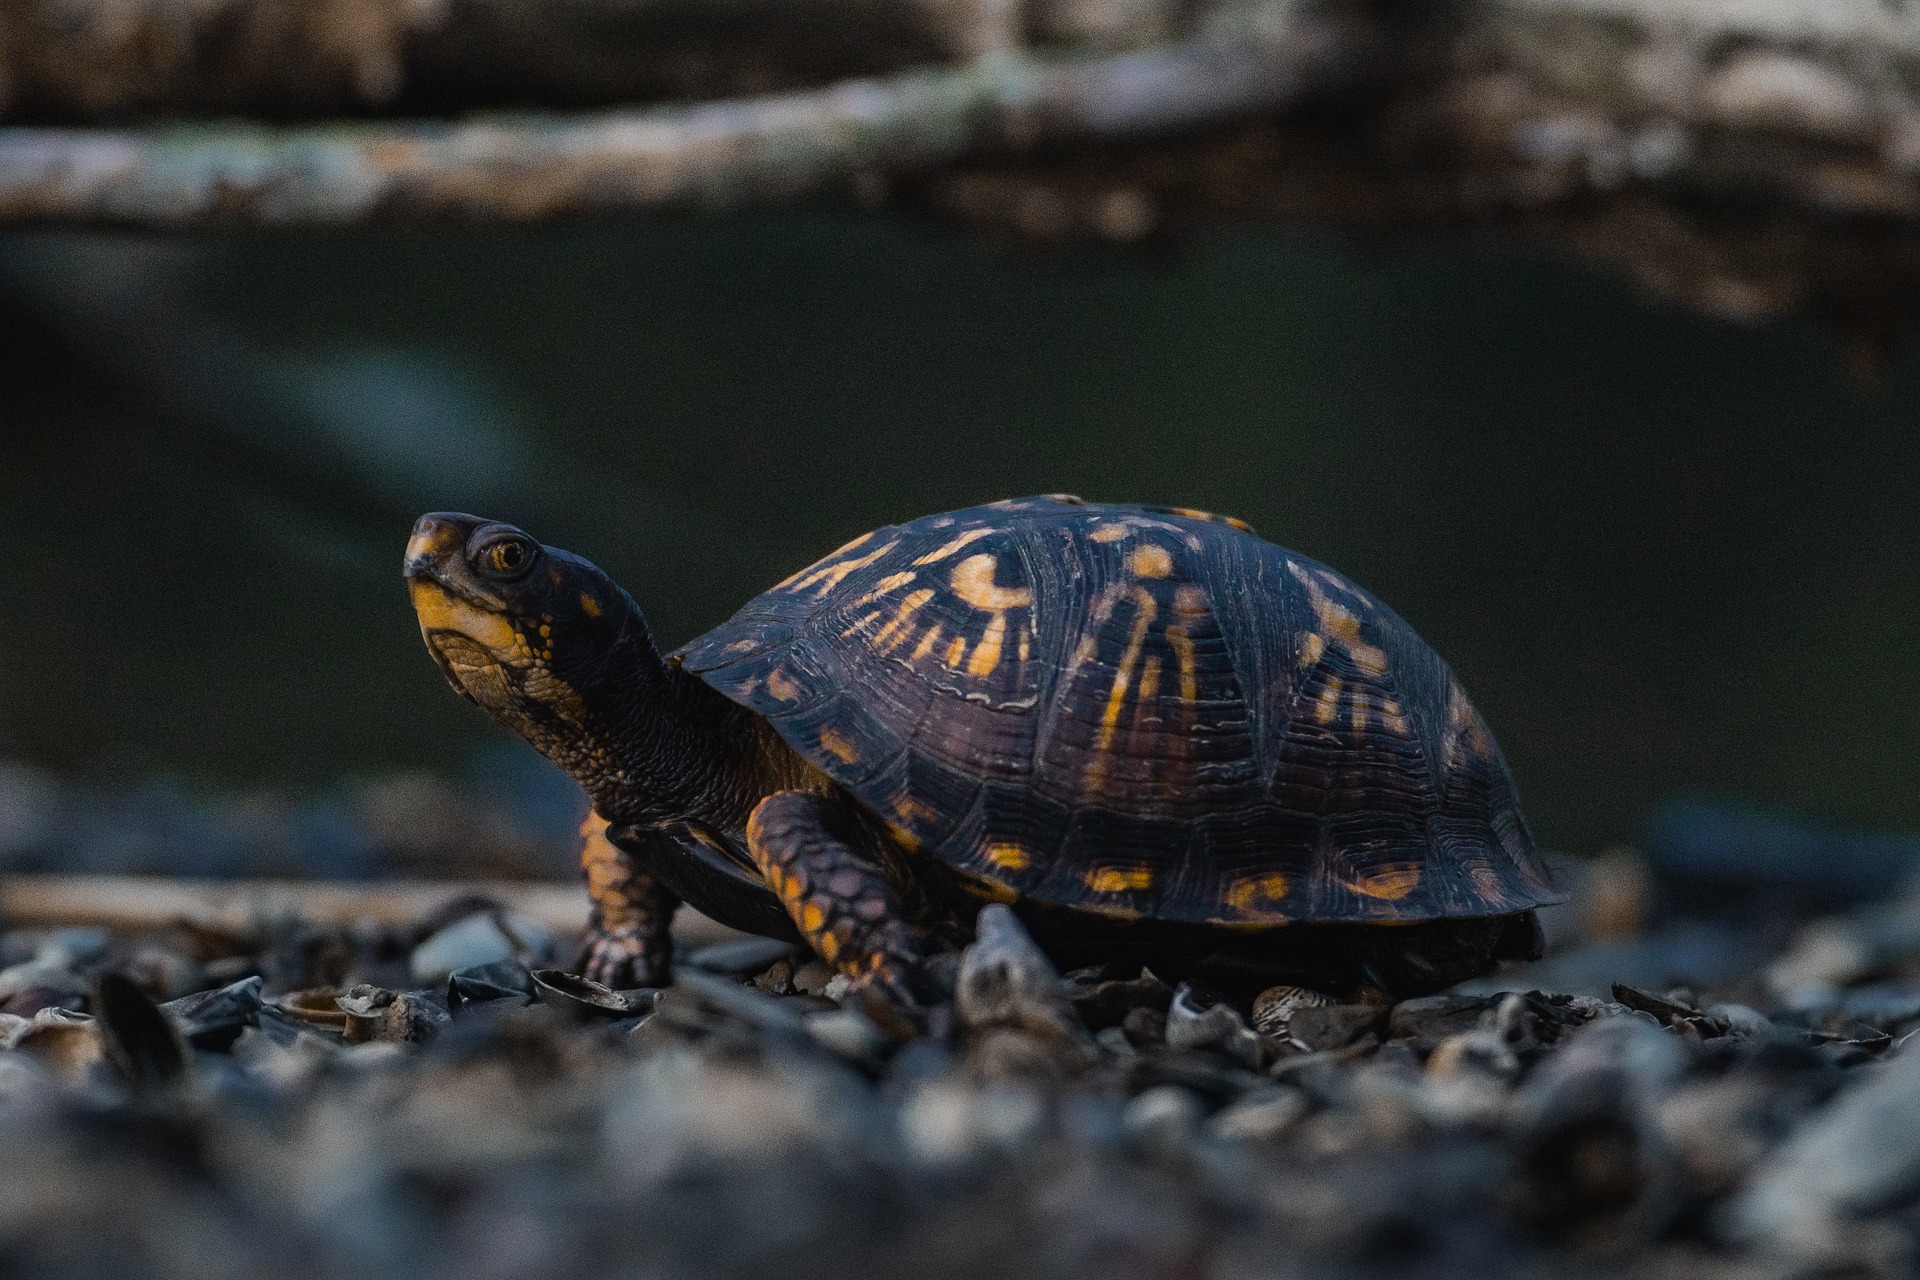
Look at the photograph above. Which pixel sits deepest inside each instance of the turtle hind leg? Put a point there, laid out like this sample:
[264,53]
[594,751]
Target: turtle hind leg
[841,897]
[627,943]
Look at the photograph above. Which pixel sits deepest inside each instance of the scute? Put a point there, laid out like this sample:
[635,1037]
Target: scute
[1136,711]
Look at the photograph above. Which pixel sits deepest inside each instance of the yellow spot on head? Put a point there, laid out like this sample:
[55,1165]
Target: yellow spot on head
[1009,857]
[588,605]
[1108,533]
[839,745]
[1149,561]
[952,548]
[1389,885]
[1248,893]
[1118,879]
[439,611]
[781,685]
[973,582]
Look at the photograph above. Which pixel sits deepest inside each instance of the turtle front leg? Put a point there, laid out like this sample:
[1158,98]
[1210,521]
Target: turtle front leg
[846,905]
[627,943]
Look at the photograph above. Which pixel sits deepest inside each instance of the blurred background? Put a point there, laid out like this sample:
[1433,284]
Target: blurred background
[1662,529]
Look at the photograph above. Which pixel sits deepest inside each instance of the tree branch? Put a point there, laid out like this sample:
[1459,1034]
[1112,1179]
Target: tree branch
[722,155]
[73,60]
[1746,157]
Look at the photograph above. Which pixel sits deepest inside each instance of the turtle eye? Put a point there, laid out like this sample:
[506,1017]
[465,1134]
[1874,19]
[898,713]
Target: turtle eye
[505,557]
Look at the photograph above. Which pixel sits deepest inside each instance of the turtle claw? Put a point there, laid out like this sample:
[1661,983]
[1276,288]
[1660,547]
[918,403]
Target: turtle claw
[623,957]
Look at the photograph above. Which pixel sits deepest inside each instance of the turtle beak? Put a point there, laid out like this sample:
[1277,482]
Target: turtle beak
[439,538]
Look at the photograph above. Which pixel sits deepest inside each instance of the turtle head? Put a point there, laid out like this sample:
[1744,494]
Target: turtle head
[537,637]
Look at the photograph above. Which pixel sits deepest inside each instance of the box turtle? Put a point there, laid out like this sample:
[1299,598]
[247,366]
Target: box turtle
[1159,737]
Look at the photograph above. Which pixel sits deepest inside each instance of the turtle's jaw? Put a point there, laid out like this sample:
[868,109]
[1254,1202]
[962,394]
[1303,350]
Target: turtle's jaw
[460,639]
[469,639]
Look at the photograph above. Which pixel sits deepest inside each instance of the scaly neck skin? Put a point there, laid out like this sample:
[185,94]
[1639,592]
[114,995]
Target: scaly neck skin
[657,745]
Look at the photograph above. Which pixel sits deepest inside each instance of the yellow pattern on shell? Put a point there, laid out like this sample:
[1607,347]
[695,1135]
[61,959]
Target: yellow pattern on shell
[972,581]
[1389,885]
[986,655]
[892,582]
[1339,623]
[953,548]
[1008,857]
[896,632]
[1247,892]
[1149,561]
[829,576]
[1122,678]
[840,745]
[1149,684]
[927,642]
[1118,879]
[1183,653]
[781,685]
[1194,513]
[1327,706]
[1395,719]
[792,579]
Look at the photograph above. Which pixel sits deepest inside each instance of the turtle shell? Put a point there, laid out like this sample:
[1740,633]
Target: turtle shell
[1142,712]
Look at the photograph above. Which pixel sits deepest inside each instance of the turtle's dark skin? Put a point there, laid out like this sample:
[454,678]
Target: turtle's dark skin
[1160,738]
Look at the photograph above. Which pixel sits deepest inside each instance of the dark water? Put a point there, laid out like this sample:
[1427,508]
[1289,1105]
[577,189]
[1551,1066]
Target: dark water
[1665,554]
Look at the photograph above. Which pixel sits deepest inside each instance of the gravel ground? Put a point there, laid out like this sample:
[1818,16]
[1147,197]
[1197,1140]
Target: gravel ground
[1665,1095]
